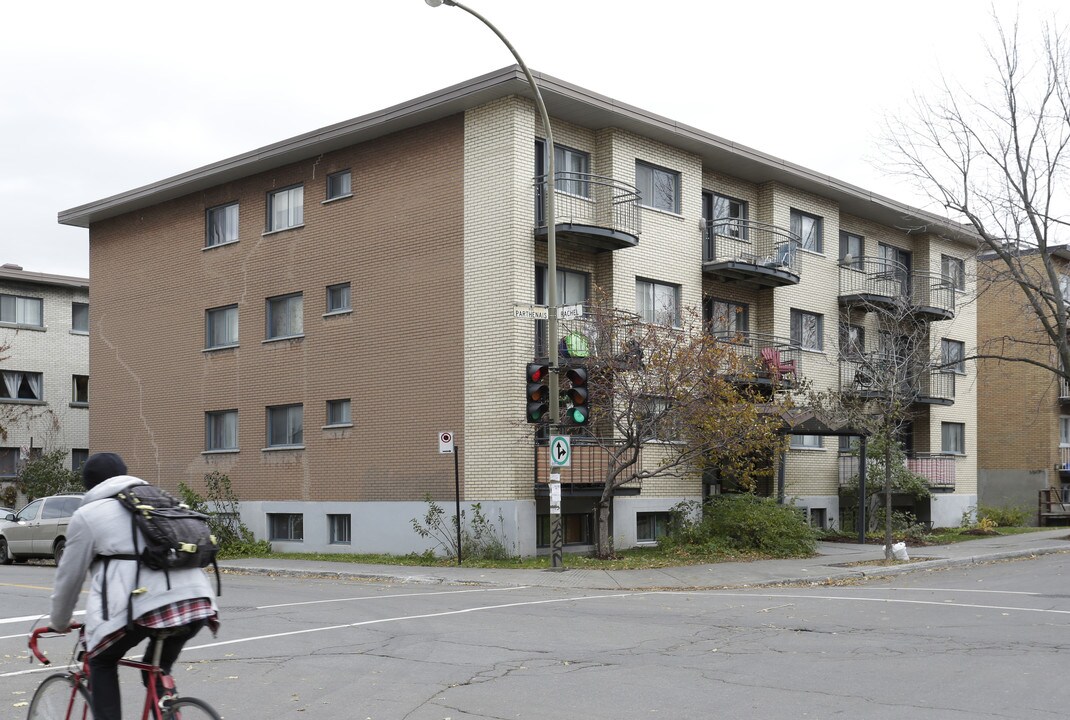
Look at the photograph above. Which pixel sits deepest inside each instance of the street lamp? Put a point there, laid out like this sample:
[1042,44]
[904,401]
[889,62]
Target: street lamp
[551,248]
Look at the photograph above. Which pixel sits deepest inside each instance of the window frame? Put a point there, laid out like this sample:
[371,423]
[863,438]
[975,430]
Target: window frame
[12,453]
[270,313]
[16,305]
[333,534]
[333,421]
[818,233]
[957,366]
[291,431]
[806,442]
[295,211]
[294,527]
[653,286]
[796,317]
[210,316]
[1064,431]
[209,223]
[846,240]
[958,276]
[340,309]
[40,398]
[75,324]
[572,186]
[957,438]
[75,401]
[218,418]
[738,311]
[649,172]
[77,453]
[659,521]
[347,174]
[852,340]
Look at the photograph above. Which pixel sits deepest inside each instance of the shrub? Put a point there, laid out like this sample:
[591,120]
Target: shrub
[480,539]
[1004,516]
[744,523]
[221,506]
[48,475]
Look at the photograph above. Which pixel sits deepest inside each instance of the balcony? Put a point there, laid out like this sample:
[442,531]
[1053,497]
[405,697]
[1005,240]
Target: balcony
[592,213]
[586,472]
[874,283]
[750,253]
[875,376]
[766,360]
[937,469]
[1064,390]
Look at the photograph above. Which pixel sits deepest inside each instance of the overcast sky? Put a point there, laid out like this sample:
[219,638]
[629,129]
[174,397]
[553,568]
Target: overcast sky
[99,98]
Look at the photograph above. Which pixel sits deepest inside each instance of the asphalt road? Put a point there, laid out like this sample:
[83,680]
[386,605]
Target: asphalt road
[984,641]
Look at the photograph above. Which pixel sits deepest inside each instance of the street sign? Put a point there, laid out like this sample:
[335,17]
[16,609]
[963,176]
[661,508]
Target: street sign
[560,451]
[569,312]
[445,442]
[528,311]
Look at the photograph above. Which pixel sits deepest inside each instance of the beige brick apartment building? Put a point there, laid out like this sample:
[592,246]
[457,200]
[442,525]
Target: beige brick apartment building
[307,317]
[44,367]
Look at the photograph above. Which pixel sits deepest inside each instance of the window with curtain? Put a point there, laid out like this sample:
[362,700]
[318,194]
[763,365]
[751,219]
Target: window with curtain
[221,430]
[807,228]
[222,225]
[952,354]
[726,319]
[955,269]
[953,438]
[285,316]
[20,310]
[657,303]
[806,330]
[221,327]
[852,340]
[572,168]
[286,426]
[852,248]
[341,529]
[658,188]
[286,208]
[728,216]
[21,385]
[807,442]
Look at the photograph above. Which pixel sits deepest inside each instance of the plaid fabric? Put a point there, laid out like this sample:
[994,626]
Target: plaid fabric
[176,614]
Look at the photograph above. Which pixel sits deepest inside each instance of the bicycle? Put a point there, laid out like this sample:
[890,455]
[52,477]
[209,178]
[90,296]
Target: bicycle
[65,695]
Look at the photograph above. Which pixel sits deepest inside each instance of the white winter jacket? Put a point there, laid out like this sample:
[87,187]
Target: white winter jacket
[102,526]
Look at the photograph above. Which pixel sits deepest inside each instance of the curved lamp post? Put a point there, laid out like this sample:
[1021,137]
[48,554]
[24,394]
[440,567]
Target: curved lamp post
[551,249]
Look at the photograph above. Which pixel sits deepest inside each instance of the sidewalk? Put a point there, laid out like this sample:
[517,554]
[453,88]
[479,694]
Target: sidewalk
[834,561]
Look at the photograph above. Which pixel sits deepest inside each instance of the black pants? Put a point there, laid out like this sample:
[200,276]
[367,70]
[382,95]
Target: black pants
[104,667]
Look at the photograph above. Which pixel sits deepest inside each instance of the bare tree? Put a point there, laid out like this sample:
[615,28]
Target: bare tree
[667,401]
[997,160]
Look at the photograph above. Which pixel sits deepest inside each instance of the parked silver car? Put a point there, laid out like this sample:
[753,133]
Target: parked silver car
[38,530]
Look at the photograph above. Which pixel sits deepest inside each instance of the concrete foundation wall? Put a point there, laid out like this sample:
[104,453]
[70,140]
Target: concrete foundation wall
[1012,488]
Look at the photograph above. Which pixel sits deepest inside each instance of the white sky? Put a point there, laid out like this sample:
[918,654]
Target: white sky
[98,98]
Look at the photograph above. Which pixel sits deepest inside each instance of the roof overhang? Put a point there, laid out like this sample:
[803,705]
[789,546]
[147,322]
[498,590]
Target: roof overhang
[563,101]
[34,278]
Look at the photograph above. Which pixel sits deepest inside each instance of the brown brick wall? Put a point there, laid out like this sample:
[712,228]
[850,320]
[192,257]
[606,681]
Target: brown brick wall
[398,355]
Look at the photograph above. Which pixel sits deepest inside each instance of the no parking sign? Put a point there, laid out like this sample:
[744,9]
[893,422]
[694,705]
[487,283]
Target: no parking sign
[445,442]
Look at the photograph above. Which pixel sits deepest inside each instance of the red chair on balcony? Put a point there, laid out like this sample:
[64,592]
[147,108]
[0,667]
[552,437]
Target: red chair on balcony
[776,367]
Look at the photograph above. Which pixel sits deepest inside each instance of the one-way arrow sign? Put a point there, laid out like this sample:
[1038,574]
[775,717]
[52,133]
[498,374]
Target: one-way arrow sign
[560,451]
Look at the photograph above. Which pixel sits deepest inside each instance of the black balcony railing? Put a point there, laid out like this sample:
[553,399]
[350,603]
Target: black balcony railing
[764,358]
[591,209]
[937,469]
[880,282]
[736,243]
[875,375]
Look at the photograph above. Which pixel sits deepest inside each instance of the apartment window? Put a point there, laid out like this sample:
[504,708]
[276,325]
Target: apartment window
[657,302]
[338,298]
[806,442]
[21,385]
[808,229]
[953,438]
[221,327]
[78,458]
[80,317]
[79,389]
[656,419]
[221,430]
[341,527]
[727,216]
[1064,431]
[807,330]
[651,526]
[285,316]
[577,529]
[221,225]
[19,310]
[286,208]
[339,185]
[338,412]
[852,340]
[952,354]
[726,319]
[1064,288]
[286,426]
[572,168]
[852,248]
[954,268]
[286,526]
[658,188]
[9,462]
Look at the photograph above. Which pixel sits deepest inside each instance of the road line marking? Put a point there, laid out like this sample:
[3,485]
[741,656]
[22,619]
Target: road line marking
[865,599]
[951,590]
[25,587]
[28,618]
[389,597]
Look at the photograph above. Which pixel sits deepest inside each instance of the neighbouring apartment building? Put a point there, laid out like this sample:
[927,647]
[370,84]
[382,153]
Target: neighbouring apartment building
[308,317]
[44,367]
[1024,410]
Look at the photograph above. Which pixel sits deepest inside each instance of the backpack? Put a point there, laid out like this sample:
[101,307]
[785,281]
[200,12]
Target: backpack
[176,537]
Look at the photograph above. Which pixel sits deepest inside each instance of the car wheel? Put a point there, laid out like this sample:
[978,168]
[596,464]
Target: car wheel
[5,559]
[57,551]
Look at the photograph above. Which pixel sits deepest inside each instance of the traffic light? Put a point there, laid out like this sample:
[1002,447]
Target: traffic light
[538,393]
[578,397]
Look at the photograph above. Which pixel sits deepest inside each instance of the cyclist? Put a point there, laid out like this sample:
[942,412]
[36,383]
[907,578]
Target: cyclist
[180,600]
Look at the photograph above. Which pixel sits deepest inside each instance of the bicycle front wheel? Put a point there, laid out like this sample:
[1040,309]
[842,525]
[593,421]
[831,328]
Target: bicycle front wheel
[60,697]
[186,708]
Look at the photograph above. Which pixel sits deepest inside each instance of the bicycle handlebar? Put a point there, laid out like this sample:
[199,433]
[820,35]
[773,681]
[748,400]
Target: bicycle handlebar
[38,632]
